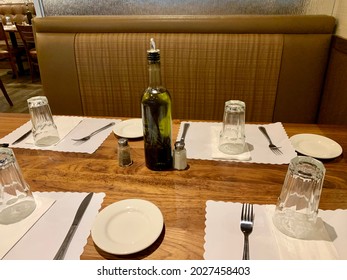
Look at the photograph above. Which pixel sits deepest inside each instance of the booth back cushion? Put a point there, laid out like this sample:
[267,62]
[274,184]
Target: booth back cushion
[17,12]
[97,66]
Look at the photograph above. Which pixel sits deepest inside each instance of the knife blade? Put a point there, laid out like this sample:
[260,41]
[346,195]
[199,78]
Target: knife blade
[78,217]
[20,139]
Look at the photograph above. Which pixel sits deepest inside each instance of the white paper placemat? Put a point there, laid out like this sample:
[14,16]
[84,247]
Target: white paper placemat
[199,143]
[224,239]
[43,240]
[68,128]
[12,233]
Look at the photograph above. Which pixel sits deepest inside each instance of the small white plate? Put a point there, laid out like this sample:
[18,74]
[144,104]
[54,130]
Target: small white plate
[127,226]
[131,128]
[316,146]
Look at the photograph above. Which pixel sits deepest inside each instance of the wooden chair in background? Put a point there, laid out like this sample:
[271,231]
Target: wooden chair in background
[27,36]
[2,87]
[10,53]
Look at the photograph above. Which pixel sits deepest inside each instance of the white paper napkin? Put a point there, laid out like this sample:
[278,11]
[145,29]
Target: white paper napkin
[12,233]
[224,239]
[217,154]
[68,128]
[199,142]
[43,240]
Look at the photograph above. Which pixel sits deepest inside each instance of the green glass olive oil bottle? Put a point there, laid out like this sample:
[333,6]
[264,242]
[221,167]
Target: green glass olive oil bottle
[156,116]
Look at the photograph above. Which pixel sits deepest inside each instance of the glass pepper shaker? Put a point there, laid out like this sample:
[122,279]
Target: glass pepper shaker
[124,156]
[180,156]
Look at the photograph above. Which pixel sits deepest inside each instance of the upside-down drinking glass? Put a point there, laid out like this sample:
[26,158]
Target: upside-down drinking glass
[297,206]
[16,200]
[44,130]
[232,137]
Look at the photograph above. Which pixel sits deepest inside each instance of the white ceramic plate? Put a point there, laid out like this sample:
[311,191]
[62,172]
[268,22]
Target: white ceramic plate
[131,128]
[316,146]
[127,226]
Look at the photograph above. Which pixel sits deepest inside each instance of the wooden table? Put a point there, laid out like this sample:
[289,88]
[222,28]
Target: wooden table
[181,195]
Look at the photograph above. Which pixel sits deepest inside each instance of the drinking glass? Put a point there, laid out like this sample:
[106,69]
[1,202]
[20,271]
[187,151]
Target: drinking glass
[8,20]
[44,129]
[16,200]
[297,206]
[232,137]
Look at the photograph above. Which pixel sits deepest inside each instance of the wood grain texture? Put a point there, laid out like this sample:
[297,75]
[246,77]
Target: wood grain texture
[181,195]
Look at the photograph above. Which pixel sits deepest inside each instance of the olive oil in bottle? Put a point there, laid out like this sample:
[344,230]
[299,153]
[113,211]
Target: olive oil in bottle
[156,116]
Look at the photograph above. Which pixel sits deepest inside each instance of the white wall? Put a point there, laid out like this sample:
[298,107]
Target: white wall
[340,13]
[171,7]
[337,8]
[14,1]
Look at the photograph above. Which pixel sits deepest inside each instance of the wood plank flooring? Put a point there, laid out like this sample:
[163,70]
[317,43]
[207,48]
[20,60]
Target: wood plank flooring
[19,91]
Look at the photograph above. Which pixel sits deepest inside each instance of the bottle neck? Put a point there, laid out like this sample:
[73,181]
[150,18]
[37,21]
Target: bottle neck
[154,74]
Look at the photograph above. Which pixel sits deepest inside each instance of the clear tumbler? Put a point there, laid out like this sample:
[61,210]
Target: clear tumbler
[44,129]
[232,137]
[16,200]
[297,206]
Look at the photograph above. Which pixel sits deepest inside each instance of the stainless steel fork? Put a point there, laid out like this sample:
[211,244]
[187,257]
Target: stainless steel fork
[246,225]
[276,150]
[86,138]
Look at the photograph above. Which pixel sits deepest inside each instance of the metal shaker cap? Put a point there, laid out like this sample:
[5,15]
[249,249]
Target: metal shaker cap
[179,145]
[123,142]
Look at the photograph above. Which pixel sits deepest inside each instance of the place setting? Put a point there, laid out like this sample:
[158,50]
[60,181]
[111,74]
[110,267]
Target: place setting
[234,140]
[293,229]
[33,224]
[56,225]
[45,131]
[19,209]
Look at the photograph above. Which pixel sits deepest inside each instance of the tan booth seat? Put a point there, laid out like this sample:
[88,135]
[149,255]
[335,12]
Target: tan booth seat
[16,12]
[97,66]
[333,109]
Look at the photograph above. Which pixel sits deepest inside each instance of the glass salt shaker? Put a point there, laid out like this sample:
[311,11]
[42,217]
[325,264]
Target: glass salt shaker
[124,156]
[179,156]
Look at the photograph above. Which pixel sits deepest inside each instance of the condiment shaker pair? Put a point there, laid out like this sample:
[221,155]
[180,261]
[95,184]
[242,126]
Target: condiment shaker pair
[179,154]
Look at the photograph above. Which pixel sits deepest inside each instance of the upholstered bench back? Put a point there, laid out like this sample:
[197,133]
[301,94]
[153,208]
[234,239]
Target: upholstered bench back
[97,66]
[16,11]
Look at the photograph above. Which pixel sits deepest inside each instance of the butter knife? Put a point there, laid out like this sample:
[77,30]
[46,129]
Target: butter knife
[185,129]
[20,139]
[79,214]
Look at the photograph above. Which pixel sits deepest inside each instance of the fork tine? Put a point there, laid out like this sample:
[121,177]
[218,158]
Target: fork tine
[246,212]
[242,212]
[276,151]
[249,212]
[252,216]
